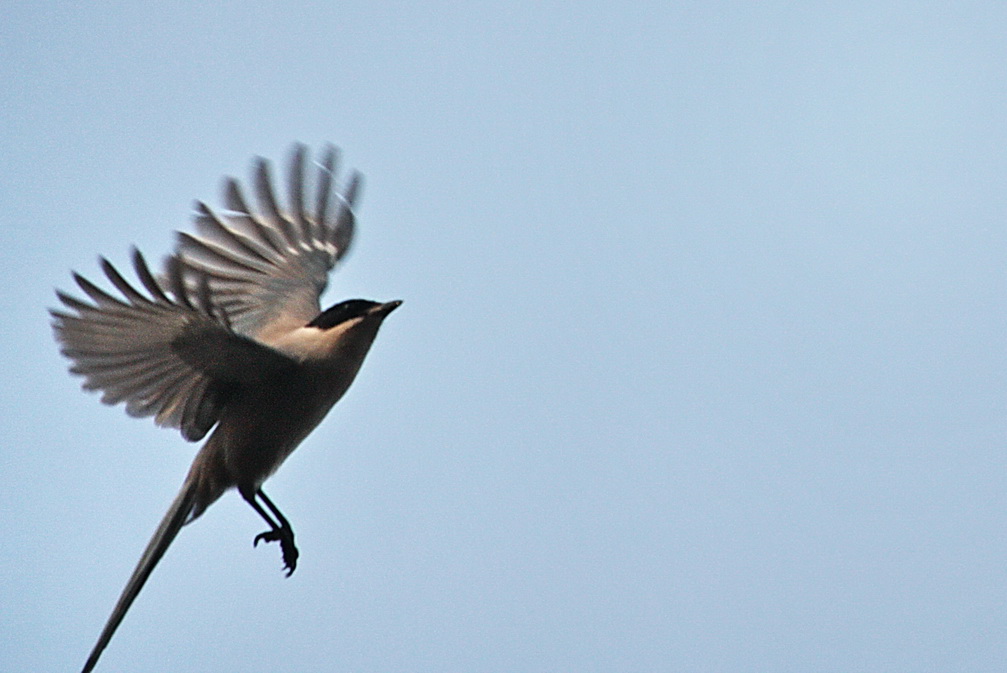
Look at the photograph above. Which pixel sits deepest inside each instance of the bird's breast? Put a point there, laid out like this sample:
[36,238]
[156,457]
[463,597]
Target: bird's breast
[262,425]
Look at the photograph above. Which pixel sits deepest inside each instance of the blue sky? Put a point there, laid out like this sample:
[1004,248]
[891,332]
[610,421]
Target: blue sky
[700,367]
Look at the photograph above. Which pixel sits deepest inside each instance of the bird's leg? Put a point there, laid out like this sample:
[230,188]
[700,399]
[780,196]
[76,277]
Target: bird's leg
[283,533]
[279,532]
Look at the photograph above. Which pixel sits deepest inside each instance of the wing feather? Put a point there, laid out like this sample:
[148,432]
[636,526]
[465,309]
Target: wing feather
[241,218]
[269,208]
[208,224]
[296,189]
[266,268]
[172,358]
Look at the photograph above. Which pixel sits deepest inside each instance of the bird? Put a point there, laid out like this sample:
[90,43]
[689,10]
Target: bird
[229,337]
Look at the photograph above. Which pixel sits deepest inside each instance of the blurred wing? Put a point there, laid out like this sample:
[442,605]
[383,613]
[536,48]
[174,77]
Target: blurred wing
[174,358]
[268,266]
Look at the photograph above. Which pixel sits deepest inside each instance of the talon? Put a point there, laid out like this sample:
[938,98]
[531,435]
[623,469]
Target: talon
[288,549]
[290,555]
[266,536]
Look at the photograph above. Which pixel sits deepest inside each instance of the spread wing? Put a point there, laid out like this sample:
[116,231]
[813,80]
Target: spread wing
[171,355]
[267,266]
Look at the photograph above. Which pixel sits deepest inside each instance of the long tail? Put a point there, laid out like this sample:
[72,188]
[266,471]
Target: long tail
[163,537]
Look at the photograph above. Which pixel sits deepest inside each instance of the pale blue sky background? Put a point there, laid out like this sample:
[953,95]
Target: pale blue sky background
[700,367]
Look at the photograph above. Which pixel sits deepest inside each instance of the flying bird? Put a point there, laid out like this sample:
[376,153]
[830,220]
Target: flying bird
[229,337]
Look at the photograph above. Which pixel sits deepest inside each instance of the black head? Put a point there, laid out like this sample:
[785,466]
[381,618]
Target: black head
[341,312]
[350,309]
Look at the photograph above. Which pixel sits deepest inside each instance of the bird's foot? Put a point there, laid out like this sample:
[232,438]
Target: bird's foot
[285,536]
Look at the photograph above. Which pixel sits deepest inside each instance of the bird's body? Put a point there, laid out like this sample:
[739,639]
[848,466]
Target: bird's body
[260,426]
[230,338]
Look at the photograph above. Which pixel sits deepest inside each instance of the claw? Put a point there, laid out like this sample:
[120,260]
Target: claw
[290,555]
[287,547]
[267,536]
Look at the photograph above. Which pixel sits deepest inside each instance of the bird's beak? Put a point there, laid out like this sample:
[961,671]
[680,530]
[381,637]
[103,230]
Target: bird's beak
[382,310]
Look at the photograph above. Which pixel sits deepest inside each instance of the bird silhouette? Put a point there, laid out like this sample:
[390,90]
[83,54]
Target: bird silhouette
[229,337]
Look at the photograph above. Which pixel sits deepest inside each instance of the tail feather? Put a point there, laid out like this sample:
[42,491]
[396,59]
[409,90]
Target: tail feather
[166,531]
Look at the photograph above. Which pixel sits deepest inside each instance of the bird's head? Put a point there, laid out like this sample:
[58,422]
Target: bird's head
[353,310]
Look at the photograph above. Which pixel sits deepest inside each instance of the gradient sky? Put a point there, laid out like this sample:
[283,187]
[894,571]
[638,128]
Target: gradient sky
[700,367]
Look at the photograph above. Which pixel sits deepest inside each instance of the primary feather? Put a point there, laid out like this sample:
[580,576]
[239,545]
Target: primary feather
[267,267]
